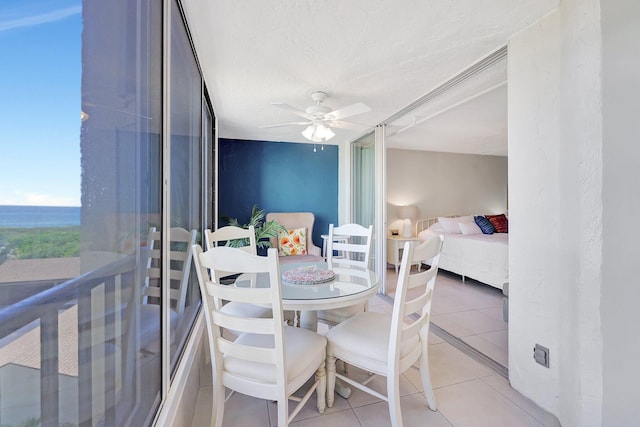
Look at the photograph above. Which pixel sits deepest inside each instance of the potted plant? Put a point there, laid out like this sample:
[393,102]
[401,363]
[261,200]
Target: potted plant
[264,230]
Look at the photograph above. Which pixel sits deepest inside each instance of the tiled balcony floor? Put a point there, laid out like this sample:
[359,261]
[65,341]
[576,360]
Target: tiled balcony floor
[468,393]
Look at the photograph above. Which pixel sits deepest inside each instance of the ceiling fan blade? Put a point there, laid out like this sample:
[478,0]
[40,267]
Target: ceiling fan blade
[347,125]
[349,110]
[286,124]
[291,109]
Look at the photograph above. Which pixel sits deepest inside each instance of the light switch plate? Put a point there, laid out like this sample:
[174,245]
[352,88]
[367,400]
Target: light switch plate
[541,355]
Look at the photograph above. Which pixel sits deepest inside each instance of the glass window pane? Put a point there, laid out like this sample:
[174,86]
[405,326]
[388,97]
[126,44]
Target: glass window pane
[186,177]
[81,219]
[83,345]
[121,150]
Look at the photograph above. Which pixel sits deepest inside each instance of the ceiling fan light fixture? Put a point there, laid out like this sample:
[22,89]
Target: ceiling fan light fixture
[318,132]
[321,118]
[309,133]
[324,132]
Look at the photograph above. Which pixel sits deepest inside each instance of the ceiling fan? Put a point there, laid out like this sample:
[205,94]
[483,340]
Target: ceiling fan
[320,118]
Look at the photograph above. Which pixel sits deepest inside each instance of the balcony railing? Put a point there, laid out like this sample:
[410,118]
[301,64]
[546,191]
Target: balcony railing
[105,358]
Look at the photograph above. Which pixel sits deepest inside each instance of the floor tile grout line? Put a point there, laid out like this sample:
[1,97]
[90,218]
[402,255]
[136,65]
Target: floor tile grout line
[461,346]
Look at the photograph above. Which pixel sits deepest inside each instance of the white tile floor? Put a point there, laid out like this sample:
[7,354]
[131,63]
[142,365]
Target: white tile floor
[471,311]
[468,393]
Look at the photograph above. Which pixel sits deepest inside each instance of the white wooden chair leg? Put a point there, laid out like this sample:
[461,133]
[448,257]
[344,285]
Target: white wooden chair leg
[321,391]
[218,411]
[283,412]
[393,394]
[331,380]
[425,376]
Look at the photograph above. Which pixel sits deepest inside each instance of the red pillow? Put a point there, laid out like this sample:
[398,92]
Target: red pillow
[500,222]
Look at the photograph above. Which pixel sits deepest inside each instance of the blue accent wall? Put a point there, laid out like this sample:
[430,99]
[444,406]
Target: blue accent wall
[278,177]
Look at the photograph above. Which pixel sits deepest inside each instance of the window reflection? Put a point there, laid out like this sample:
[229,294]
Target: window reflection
[81,286]
[186,161]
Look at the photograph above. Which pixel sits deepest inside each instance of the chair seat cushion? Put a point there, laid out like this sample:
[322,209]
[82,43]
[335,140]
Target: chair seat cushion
[304,352]
[363,340]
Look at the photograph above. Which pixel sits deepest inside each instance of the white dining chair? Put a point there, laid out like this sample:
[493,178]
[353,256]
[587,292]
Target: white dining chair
[248,236]
[225,234]
[389,344]
[268,359]
[231,232]
[353,250]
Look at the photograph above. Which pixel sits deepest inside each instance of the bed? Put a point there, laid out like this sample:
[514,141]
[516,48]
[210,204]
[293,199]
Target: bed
[479,256]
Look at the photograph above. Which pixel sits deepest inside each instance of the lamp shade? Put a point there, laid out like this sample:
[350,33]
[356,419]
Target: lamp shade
[408,212]
[323,132]
[318,132]
[309,133]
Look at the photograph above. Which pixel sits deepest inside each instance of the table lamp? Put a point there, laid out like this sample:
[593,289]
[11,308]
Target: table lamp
[407,214]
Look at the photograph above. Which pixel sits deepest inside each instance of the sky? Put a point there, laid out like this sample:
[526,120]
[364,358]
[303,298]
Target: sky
[40,76]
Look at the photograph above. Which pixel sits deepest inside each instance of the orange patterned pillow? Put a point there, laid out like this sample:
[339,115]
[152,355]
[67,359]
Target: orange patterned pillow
[293,242]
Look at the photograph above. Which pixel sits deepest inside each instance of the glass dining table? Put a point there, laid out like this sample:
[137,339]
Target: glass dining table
[349,286]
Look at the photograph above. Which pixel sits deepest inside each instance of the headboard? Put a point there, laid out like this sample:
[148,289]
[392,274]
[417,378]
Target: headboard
[423,224]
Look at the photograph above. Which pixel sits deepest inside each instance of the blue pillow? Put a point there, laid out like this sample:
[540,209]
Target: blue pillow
[484,224]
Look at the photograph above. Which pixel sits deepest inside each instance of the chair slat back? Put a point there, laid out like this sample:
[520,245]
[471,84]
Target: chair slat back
[239,292]
[223,349]
[230,232]
[356,251]
[246,352]
[204,282]
[414,294]
[224,235]
[180,254]
[224,320]
[416,300]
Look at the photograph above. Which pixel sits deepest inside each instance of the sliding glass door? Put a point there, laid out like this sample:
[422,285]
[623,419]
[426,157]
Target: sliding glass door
[363,156]
[367,193]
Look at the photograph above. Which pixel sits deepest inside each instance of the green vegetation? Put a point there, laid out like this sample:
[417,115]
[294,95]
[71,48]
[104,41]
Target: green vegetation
[264,230]
[25,243]
[31,422]
[35,422]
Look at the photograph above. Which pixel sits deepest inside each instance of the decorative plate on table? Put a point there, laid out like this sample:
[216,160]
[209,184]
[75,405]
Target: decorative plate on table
[311,275]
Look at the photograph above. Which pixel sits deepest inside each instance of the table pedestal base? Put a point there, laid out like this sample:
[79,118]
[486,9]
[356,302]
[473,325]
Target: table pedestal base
[309,320]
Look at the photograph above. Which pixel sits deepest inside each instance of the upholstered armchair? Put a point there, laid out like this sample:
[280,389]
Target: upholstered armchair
[296,221]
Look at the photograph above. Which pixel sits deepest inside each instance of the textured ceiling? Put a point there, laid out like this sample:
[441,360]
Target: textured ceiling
[384,53]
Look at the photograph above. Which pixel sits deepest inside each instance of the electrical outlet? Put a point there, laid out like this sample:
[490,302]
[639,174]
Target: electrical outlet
[541,355]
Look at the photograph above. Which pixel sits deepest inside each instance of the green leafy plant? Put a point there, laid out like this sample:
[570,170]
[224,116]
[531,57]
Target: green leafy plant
[264,229]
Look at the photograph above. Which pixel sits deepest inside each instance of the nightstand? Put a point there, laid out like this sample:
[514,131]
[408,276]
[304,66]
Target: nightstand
[395,244]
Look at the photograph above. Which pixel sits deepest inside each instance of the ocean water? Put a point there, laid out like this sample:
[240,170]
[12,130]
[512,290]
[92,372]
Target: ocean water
[39,216]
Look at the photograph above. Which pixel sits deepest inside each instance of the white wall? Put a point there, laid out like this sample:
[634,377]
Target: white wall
[442,184]
[572,162]
[536,293]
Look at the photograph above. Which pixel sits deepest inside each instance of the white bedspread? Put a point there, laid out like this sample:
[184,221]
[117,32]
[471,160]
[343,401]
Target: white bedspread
[483,257]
